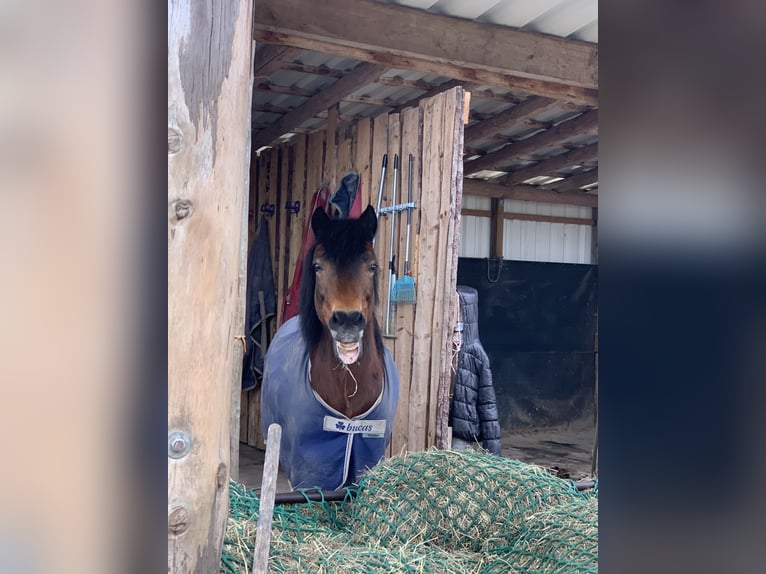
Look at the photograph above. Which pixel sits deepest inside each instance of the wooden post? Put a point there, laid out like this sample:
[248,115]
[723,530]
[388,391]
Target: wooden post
[496,228]
[209,79]
[268,491]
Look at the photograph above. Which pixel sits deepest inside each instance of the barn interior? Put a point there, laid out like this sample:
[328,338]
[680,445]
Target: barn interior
[497,101]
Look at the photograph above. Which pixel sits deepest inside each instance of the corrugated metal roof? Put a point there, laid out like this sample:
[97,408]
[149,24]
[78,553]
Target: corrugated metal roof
[572,19]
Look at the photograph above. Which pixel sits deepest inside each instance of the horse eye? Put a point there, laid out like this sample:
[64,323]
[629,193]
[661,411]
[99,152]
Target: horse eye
[317,267]
[373,267]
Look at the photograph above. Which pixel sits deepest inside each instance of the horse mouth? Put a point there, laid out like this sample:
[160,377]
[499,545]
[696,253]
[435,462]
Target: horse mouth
[348,353]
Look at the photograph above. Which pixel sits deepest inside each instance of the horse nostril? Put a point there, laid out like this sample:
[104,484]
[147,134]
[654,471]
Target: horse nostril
[348,319]
[356,319]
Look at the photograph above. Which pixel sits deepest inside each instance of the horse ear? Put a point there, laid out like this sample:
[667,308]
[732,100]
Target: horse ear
[319,221]
[369,222]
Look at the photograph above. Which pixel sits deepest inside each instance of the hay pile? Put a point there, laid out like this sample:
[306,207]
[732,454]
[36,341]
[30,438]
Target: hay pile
[434,511]
[559,539]
[453,499]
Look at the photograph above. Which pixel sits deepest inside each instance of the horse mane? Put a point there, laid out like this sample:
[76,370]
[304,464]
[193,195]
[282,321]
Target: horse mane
[345,241]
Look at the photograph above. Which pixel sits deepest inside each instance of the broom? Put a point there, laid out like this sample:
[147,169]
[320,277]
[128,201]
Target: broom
[404,287]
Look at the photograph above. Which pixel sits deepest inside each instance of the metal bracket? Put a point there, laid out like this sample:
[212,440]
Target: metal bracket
[179,444]
[293,208]
[397,208]
[268,209]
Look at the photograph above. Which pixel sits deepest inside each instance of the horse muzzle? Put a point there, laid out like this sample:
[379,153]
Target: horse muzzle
[347,330]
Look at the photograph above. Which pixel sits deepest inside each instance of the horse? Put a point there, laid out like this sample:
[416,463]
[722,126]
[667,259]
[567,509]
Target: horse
[328,380]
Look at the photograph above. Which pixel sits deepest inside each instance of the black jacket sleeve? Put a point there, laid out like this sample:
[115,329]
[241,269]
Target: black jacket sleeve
[487,409]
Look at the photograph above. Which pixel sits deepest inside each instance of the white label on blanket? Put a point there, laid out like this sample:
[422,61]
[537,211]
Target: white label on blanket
[371,429]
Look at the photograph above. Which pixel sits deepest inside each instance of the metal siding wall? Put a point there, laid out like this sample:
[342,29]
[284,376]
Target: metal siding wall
[543,241]
[475,231]
[528,240]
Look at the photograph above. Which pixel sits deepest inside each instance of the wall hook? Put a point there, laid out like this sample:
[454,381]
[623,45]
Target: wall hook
[268,209]
[294,207]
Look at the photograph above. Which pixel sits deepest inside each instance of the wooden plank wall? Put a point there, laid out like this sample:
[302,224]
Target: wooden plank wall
[432,133]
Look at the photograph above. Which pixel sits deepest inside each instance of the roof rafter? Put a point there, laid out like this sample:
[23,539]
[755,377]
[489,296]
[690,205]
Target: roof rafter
[271,58]
[551,166]
[508,118]
[586,123]
[576,181]
[408,38]
[362,75]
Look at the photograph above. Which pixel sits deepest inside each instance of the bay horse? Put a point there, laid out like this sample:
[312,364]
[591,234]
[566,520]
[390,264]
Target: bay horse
[328,380]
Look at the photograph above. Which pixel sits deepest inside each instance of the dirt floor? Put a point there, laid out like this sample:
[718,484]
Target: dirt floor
[565,451]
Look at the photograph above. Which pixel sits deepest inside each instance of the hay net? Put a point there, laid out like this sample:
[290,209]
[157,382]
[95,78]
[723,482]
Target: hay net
[433,511]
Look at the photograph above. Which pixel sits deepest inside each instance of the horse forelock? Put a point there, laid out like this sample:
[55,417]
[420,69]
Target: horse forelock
[344,241]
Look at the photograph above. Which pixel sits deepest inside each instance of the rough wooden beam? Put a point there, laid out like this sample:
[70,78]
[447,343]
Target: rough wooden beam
[209,67]
[271,58]
[271,109]
[430,93]
[586,123]
[398,82]
[575,182]
[402,37]
[549,167]
[370,101]
[550,218]
[529,217]
[528,123]
[343,121]
[323,71]
[490,95]
[287,90]
[514,116]
[527,193]
[361,75]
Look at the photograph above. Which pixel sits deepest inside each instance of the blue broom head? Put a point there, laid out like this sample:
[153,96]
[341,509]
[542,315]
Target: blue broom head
[403,290]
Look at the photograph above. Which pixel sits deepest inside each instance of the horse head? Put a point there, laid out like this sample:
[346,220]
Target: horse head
[339,288]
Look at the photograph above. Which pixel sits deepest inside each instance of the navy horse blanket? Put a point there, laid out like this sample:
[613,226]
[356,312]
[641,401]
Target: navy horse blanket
[320,446]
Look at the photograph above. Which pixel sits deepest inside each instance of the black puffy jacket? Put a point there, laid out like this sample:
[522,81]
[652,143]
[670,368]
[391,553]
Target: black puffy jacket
[473,412]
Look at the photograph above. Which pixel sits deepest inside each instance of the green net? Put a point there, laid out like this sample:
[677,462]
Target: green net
[434,511]
[453,499]
[559,539]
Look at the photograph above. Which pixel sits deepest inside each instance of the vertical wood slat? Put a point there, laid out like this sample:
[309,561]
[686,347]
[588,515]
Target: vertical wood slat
[254,432]
[425,279]
[394,196]
[380,147]
[244,402]
[298,193]
[440,181]
[272,198]
[282,247]
[204,265]
[314,159]
[405,313]
[453,169]
[362,159]
[331,156]
[345,160]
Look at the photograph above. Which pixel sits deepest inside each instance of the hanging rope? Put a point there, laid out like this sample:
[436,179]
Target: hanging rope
[500,261]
